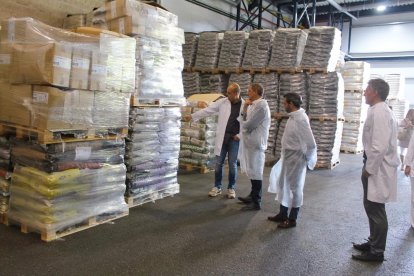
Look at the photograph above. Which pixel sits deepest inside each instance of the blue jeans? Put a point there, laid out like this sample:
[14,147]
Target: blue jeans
[231,148]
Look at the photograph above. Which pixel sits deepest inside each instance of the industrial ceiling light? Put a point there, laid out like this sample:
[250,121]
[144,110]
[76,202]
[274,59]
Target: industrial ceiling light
[381,8]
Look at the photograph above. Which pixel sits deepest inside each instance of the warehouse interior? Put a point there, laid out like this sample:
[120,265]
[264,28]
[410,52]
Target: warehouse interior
[100,173]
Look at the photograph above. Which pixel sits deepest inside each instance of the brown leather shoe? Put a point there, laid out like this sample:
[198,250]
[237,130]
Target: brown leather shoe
[287,224]
[277,218]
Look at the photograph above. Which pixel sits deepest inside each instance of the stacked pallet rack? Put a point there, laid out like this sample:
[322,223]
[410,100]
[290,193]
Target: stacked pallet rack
[67,153]
[326,93]
[153,141]
[356,76]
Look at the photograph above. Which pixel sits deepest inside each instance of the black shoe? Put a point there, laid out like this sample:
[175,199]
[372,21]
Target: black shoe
[367,256]
[277,218]
[287,224]
[363,247]
[246,200]
[251,207]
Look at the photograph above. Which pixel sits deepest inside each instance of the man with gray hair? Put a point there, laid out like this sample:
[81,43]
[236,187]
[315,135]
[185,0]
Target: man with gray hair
[379,174]
[227,136]
[254,127]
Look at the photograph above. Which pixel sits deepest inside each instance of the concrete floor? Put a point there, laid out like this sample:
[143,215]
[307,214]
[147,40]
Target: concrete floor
[191,234]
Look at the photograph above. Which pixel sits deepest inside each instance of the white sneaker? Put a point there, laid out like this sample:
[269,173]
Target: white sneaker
[214,192]
[231,193]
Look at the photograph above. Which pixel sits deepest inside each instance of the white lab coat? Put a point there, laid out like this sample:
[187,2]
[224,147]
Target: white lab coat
[409,161]
[222,107]
[255,132]
[287,177]
[380,144]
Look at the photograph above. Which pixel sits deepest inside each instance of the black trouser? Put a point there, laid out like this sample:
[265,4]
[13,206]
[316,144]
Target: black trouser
[256,192]
[293,215]
[377,217]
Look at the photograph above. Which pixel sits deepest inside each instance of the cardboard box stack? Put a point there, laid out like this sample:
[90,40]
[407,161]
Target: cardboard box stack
[153,146]
[356,76]
[396,98]
[62,83]
[326,105]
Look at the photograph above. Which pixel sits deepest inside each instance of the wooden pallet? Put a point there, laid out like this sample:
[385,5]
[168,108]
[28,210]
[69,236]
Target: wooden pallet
[135,102]
[314,70]
[352,151]
[188,69]
[255,70]
[2,218]
[48,235]
[285,70]
[206,71]
[151,197]
[231,71]
[326,118]
[330,166]
[58,136]
[191,167]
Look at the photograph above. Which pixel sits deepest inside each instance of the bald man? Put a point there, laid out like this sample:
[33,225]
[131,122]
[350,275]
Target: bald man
[227,136]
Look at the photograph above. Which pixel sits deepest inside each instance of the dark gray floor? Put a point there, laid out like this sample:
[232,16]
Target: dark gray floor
[191,234]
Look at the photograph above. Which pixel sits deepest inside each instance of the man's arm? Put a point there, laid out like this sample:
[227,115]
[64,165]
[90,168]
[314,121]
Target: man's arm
[255,119]
[381,132]
[213,109]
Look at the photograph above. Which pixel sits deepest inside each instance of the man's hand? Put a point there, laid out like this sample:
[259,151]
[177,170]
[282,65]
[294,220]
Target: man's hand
[407,170]
[236,138]
[187,118]
[246,105]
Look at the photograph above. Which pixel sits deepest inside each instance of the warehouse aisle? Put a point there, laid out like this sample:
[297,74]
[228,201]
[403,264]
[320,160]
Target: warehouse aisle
[191,234]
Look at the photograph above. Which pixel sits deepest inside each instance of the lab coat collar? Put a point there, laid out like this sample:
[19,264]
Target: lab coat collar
[297,112]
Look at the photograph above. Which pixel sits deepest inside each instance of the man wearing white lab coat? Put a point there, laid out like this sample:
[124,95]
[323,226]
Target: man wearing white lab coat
[254,126]
[379,174]
[227,136]
[298,152]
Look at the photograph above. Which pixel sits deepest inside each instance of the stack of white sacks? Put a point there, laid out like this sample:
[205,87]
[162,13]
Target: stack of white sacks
[243,80]
[213,83]
[191,83]
[322,49]
[356,75]
[232,49]
[396,97]
[289,83]
[208,50]
[287,49]
[326,103]
[153,147]
[258,49]
[197,138]
[190,49]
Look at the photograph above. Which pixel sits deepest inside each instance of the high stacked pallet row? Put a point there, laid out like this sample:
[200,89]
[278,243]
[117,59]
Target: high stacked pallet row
[232,49]
[154,129]
[356,76]
[396,98]
[153,146]
[190,49]
[61,85]
[326,103]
